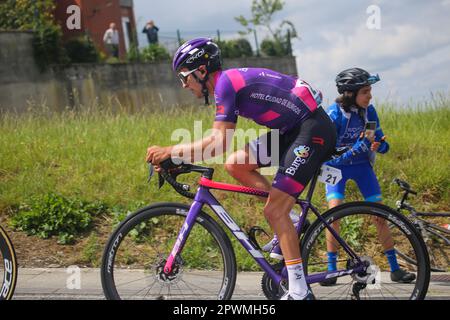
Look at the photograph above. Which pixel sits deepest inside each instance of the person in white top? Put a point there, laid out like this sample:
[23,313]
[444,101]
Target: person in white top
[111,40]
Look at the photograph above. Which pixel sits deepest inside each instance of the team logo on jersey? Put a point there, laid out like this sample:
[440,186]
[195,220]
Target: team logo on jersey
[220,109]
[265,74]
[302,152]
[318,140]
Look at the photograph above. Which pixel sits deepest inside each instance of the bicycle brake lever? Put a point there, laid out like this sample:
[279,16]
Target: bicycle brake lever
[151,172]
[161,180]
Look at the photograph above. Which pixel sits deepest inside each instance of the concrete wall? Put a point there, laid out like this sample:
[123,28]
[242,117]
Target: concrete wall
[128,86]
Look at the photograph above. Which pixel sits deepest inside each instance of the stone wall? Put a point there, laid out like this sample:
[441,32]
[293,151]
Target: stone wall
[129,85]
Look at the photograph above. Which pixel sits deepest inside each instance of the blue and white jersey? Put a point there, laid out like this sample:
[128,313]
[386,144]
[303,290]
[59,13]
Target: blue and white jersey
[350,125]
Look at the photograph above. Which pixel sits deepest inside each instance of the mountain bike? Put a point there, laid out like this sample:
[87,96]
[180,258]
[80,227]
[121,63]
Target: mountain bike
[178,251]
[436,237]
[8,266]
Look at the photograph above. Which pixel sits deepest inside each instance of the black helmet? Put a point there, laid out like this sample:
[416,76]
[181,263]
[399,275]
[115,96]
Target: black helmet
[354,79]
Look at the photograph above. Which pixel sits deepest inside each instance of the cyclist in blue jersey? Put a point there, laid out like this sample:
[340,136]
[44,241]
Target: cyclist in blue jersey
[280,102]
[350,114]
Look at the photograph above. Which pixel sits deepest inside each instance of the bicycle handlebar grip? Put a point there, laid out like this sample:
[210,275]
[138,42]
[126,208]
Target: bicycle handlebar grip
[179,187]
[404,185]
[168,164]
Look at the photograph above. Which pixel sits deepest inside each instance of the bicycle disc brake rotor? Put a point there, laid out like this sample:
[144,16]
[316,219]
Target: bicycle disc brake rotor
[370,273]
[169,278]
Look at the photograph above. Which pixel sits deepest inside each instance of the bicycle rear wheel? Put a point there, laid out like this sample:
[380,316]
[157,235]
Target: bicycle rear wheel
[8,267]
[358,229]
[135,255]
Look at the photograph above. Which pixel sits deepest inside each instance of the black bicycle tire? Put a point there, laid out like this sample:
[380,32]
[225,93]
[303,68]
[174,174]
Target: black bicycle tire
[410,260]
[10,266]
[433,267]
[378,210]
[223,241]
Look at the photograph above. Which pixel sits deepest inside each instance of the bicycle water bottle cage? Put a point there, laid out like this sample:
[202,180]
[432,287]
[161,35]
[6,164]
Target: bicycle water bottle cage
[252,235]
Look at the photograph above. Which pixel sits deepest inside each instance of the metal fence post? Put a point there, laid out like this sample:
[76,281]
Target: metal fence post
[289,45]
[179,37]
[218,35]
[256,43]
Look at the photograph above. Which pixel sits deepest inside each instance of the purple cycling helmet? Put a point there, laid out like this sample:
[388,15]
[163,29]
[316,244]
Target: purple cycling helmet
[197,52]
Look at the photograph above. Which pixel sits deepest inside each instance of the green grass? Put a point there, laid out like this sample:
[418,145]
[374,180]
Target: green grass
[99,156]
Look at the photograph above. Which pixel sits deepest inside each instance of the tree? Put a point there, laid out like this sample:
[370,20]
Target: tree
[26,14]
[38,16]
[235,48]
[263,12]
[155,53]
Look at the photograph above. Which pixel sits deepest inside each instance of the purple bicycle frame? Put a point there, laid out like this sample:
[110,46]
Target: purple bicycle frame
[204,196]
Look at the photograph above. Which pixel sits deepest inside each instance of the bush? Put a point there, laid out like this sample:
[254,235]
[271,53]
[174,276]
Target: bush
[25,14]
[39,17]
[81,49]
[154,53]
[235,48]
[133,55]
[274,48]
[47,46]
[55,215]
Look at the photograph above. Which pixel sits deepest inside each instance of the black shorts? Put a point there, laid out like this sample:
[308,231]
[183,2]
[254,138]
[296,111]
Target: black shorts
[301,151]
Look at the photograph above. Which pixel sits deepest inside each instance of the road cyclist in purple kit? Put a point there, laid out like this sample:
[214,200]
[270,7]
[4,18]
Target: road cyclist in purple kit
[358,127]
[288,104]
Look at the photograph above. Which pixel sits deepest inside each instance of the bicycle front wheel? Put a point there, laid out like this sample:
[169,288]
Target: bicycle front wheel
[135,255]
[8,267]
[370,230]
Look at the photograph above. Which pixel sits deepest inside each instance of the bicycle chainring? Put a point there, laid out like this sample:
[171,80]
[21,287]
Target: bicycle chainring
[273,291]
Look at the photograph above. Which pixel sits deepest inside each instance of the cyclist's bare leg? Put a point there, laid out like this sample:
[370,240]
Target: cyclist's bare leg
[276,211]
[332,244]
[241,166]
[384,234]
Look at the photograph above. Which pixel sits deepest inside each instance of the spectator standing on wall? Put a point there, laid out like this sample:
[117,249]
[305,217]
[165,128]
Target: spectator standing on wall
[111,40]
[152,32]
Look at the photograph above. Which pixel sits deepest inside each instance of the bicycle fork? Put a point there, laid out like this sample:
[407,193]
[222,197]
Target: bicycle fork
[203,196]
[183,235]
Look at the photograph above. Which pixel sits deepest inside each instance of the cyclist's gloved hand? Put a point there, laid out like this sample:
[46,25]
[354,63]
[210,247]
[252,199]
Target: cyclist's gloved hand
[361,146]
[345,158]
[384,146]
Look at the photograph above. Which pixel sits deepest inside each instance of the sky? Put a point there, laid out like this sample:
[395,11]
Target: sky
[407,42]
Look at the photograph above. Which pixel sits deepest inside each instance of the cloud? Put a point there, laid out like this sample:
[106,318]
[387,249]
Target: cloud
[398,52]
[418,77]
[413,40]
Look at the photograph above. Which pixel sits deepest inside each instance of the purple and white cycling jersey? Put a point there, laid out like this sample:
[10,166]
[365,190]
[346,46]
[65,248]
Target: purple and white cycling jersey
[272,99]
[287,103]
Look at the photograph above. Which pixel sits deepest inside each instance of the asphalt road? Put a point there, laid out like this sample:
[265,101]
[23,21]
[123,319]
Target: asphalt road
[85,284]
